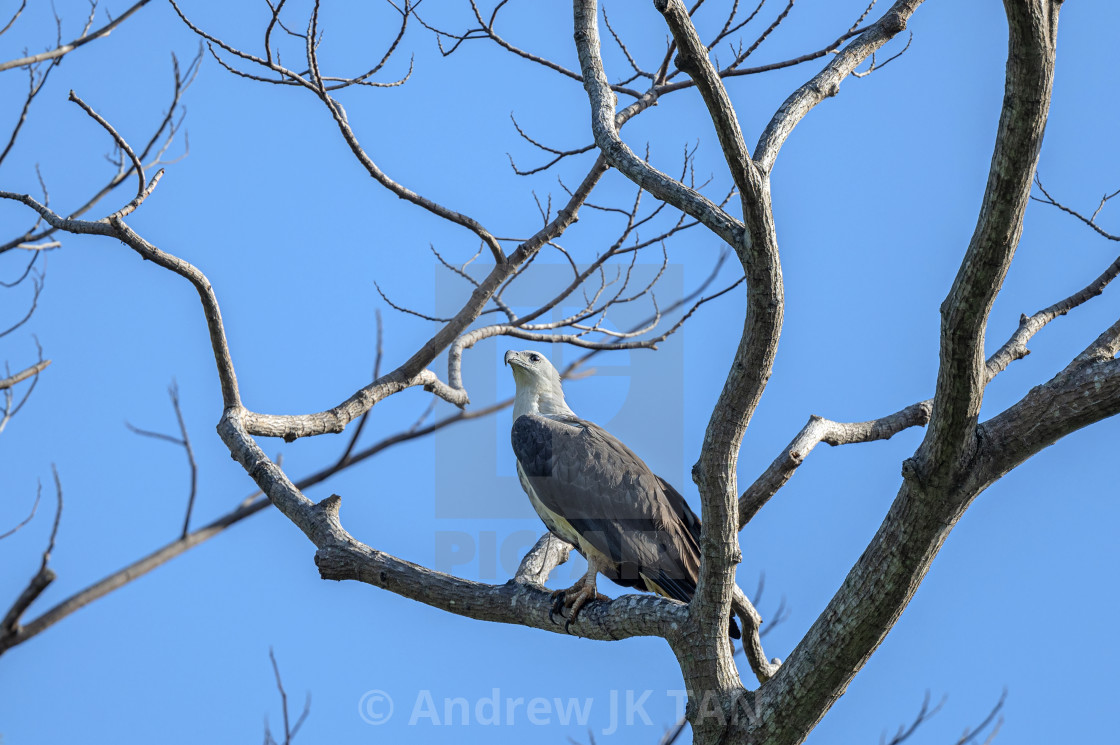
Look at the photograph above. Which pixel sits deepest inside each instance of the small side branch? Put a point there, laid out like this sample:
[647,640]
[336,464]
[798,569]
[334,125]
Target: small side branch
[152,154]
[994,720]
[36,81]
[121,142]
[762,668]
[559,154]
[314,81]
[37,282]
[184,441]
[14,18]
[9,625]
[548,553]
[1015,348]
[115,227]
[618,153]
[81,41]
[486,30]
[818,430]
[826,83]
[290,730]
[23,375]
[30,515]
[1091,220]
[927,712]
[9,408]
[693,59]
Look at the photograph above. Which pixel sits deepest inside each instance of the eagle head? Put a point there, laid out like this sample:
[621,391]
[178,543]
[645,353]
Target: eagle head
[538,385]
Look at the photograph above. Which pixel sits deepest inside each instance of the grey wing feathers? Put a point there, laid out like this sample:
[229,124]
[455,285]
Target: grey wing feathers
[612,499]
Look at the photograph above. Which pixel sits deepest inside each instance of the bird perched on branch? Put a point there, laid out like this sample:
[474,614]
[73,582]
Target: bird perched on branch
[595,493]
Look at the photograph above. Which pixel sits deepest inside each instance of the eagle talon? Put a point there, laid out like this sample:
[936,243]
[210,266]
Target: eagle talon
[557,607]
[575,598]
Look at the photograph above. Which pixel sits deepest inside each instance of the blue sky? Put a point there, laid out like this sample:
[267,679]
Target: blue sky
[875,195]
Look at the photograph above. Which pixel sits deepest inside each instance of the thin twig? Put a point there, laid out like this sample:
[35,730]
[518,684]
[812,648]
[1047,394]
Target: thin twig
[183,441]
[30,516]
[925,713]
[9,625]
[173,391]
[121,143]
[1091,221]
[82,40]
[290,730]
[23,375]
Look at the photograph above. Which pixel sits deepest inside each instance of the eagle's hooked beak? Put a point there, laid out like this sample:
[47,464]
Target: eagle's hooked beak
[511,356]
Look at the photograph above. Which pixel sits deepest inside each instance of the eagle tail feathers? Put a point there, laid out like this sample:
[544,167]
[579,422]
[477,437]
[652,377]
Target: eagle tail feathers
[683,590]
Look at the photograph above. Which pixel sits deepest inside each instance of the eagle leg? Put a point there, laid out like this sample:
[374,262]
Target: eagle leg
[576,596]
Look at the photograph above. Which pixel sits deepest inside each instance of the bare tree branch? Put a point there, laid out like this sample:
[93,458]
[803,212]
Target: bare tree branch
[925,713]
[486,31]
[10,626]
[23,375]
[1085,392]
[560,154]
[152,152]
[818,430]
[37,289]
[9,407]
[971,735]
[315,82]
[15,17]
[36,82]
[693,60]
[619,154]
[1016,347]
[121,143]
[826,83]
[413,372]
[85,38]
[739,58]
[1091,221]
[875,65]
[290,730]
[546,554]
[342,557]
[30,515]
[183,441]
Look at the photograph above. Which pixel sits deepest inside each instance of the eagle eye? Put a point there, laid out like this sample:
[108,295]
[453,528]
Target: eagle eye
[534,358]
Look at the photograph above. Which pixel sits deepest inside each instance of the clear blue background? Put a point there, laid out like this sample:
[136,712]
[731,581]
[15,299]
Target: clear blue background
[876,194]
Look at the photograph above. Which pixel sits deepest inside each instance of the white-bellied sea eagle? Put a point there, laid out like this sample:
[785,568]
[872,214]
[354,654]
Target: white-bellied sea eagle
[595,493]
